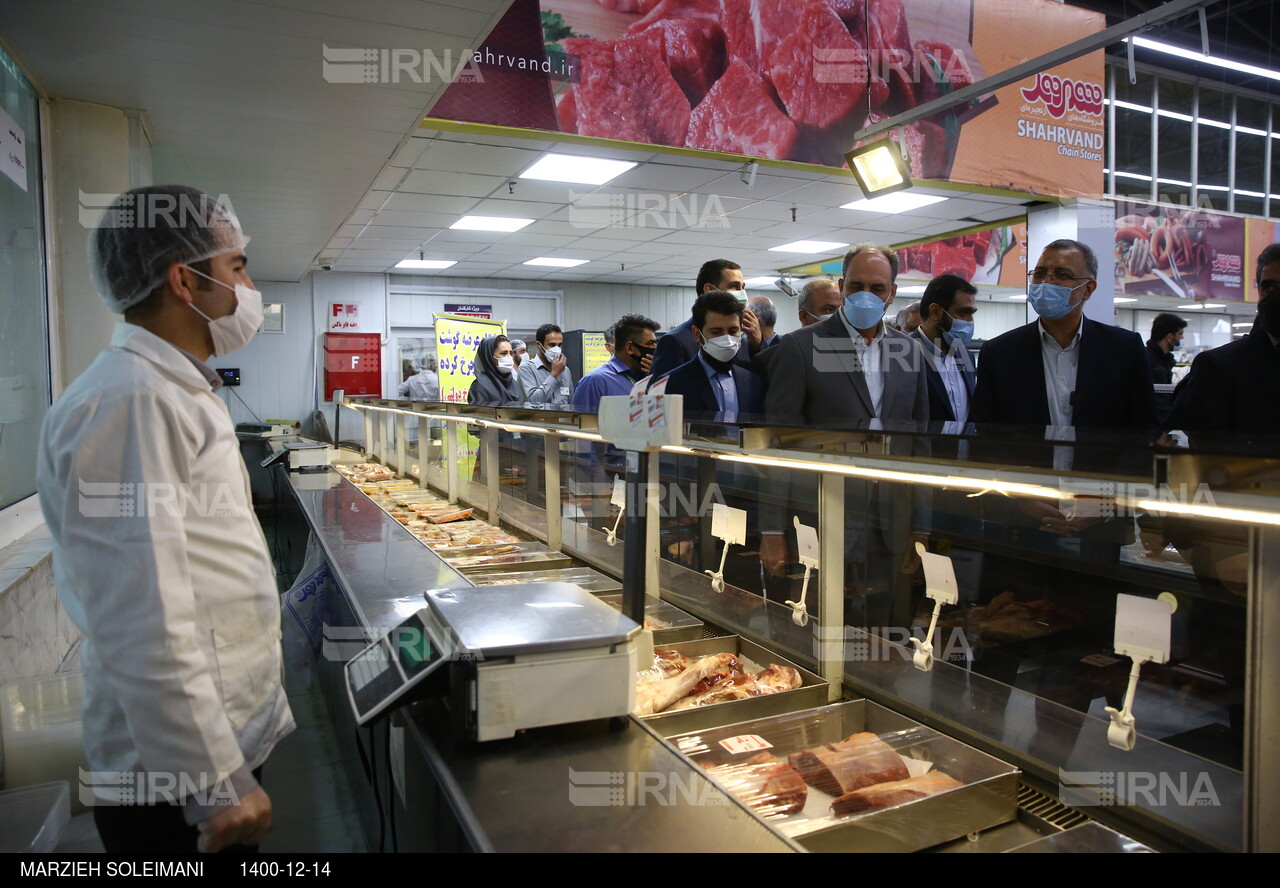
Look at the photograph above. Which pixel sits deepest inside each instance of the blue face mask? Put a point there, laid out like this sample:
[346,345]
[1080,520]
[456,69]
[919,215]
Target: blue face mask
[961,331]
[863,310]
[1051,301]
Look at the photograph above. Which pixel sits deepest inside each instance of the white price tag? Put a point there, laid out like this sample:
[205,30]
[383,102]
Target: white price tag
[745,743]
[939,577]
[1143,628]
[654,408]
[635,404]
[806,543]
[728,524]
[619,497]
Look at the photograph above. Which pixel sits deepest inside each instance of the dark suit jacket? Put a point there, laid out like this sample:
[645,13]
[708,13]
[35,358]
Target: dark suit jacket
[1231,389]
[679,347]
[939,404]
[690,380]
[814,381]
[1113,383]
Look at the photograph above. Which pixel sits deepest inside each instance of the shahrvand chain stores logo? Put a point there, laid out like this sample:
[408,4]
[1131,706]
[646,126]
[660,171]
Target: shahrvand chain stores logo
[1057,102]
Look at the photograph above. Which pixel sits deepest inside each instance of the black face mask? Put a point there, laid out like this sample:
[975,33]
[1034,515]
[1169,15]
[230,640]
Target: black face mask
[1269,315]
[644,352]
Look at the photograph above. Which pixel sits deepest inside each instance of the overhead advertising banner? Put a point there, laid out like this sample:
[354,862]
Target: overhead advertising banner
[1182,252]
[796,79]
[995,256]
[1258,234]
[456,342]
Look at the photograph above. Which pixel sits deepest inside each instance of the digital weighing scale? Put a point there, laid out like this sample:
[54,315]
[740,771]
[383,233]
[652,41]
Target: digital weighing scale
[511,657]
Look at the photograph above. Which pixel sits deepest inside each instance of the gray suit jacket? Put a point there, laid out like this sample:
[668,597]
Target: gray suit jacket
[815,381]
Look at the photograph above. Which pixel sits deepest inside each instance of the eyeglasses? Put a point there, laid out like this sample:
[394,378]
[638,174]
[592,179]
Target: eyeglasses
[1057,275]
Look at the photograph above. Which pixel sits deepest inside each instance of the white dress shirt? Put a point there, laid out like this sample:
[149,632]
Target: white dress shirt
[952,379]
[160,562]
[1061,365]
[868,355]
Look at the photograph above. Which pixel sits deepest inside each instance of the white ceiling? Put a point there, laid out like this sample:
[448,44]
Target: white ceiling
[654,224]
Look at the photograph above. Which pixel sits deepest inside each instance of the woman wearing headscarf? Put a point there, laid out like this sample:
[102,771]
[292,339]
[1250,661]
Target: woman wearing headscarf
[496,384]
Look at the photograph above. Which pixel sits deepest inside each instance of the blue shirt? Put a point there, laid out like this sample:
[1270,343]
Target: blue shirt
[614,378]
[724,386]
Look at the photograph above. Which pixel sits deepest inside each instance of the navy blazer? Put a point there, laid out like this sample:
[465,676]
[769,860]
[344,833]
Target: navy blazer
[690,380]
[679,347]
[1113,382]
[939,402]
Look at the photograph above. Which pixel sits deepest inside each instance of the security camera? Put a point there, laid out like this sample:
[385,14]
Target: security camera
[326,268]
[785,286]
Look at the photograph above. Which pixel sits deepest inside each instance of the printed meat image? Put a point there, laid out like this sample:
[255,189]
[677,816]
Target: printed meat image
[785,79]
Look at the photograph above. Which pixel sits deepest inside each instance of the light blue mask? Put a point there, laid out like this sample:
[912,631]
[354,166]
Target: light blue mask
[961,331]
[1051,301]
[863,310]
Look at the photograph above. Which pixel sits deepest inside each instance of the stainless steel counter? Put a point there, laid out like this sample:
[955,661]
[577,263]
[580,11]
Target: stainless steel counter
[599,786]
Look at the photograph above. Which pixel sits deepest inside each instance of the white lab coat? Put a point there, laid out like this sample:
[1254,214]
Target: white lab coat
[168,575]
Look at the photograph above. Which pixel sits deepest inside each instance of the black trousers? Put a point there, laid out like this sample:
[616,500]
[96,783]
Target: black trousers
[138,830]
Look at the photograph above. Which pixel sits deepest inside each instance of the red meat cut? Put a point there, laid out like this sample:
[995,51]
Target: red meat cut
[740,116]
[627,92]
[694,51]
[754,28]
[890,46]
[954,260]
[820,73]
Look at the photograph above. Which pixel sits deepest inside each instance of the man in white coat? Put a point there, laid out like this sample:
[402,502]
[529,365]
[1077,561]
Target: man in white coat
[158,556]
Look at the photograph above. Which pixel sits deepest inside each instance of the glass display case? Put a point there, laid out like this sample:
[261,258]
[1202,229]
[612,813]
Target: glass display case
[1044,534]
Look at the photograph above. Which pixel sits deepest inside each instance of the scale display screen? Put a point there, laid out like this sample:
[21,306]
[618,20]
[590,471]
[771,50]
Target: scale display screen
[385,671]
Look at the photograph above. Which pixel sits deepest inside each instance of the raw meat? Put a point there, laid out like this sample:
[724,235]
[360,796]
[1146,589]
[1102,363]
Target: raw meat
[626,91]
[858,761]
[694,52]
[739,116]
[679,9]
[567,113]
[940,69]
[656,696]
[715,679]
[766,783]
[890,46]
[820,73]
[898,792]
[954,260]
[445,517]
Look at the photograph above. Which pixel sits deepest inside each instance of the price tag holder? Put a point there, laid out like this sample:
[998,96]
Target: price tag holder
[729,524]
[745,743]
[655,409]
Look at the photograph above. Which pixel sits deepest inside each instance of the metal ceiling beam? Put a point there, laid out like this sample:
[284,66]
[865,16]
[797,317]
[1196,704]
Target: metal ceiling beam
[1136,25]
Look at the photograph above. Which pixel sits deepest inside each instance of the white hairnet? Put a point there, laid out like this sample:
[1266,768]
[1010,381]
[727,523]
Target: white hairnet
[146,230]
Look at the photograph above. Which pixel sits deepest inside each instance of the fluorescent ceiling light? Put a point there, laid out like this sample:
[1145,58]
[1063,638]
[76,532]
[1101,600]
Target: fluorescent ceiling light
[1119,299]
[426,263]
[1213,305]
[490,223]
[1020,297]
[557,263]
[899,202]
[807,246]
[579,170]
[1245,324]
[920,289]
[1194,56]
[1195,307]
[760,281]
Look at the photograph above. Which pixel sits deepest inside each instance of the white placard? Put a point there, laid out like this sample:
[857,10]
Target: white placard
[13,150]
[939,577]
[654,407]
[636,405]
[619,497]
[745,743]
[728,524]
[807,543]
[1142,628]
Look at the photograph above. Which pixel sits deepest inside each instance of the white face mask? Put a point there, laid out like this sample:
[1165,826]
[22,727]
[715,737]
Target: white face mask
[552,354]
[233,331]
[506,364]
[722,348]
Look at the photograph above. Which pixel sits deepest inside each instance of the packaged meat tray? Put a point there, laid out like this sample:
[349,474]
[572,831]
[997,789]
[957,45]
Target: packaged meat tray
[583,577]
[716,681]
[520,547]
[518,561]
[856,777]
[668,622]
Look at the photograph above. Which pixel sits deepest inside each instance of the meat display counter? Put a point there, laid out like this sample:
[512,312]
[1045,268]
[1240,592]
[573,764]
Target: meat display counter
[1044,539]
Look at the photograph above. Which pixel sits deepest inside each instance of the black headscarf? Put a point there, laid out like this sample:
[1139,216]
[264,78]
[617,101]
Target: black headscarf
[492,387]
